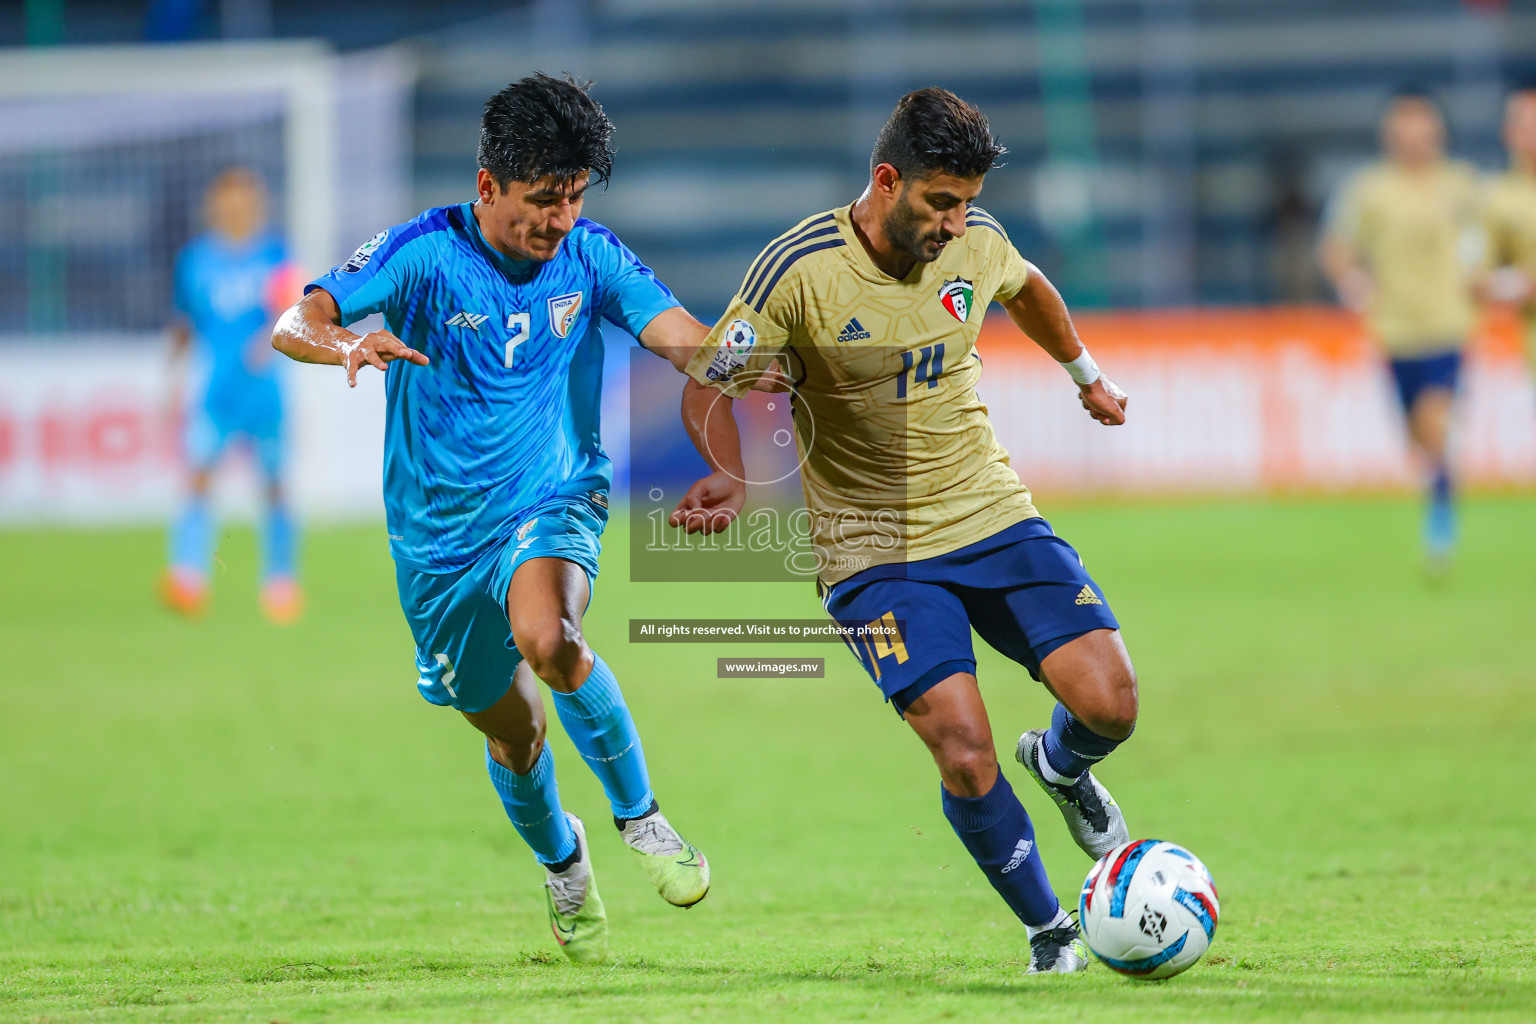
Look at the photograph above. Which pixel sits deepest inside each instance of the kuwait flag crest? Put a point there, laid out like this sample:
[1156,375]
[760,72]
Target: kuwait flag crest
[956,296]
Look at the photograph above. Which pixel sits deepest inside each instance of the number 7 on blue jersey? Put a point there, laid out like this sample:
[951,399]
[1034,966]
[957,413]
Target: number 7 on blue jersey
[518,324]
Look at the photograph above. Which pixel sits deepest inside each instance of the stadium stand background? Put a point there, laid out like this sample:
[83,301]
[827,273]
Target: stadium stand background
[1164,152]
[1170,156]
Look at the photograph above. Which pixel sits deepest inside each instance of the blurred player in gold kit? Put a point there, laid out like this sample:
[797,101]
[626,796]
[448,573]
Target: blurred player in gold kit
[1399,246]
[1511,215]
[920,525]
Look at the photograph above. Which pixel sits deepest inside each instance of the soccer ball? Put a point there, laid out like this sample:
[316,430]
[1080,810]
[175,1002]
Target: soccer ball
[739,337]
[1148,909]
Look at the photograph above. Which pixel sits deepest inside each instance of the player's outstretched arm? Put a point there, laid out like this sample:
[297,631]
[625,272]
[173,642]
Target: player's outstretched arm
[714,501]
[1039,312]
[675,335]
[311,332]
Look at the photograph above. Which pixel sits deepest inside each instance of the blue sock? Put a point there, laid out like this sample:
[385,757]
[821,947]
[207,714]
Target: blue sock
[599,724]
[1071,747]
[192,537]
[277,544]
[996,831]
[532,802]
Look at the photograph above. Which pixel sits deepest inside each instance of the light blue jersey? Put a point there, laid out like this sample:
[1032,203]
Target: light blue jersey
[506,415]
[229,293]
[226,292]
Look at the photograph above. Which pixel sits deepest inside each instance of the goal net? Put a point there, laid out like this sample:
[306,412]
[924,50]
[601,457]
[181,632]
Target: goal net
[105,153]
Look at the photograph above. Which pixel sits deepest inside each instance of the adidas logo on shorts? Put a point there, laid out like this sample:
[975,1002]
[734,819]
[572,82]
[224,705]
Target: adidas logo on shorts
[1087,596]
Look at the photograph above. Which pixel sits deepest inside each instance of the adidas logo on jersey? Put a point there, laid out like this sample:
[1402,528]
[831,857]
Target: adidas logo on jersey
[1087,596]
[853,331]
[1020,855]
[470,320]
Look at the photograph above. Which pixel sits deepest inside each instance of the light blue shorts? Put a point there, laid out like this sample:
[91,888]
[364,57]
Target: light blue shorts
[465,656]
[209,432]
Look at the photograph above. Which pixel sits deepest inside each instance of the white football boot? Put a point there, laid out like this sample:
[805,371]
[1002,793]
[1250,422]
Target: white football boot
[576,913]
[1092,816]
[675,866]
[1059,950]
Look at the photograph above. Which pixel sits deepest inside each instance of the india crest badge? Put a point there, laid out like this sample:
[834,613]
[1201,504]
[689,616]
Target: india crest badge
[563,311]
[956,297]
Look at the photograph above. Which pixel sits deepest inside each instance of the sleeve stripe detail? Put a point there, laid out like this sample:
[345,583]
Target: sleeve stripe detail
[778,246]
[593,227]
[788,238]
[985,224]
[757,291]
[790,261]
[438,221]
[978,217]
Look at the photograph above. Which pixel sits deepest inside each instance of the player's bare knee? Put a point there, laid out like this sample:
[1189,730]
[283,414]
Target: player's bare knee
[967,765]
[971,775]
[520,753]
[1118,724]
[557,653]
[1110,708]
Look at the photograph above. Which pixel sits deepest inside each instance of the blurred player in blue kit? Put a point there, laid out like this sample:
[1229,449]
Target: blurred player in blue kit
[230,284]
[495,479]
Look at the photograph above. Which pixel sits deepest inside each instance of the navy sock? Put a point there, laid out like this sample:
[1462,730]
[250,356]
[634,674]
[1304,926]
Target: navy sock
[998,834]
[1440,486]
[1071,747]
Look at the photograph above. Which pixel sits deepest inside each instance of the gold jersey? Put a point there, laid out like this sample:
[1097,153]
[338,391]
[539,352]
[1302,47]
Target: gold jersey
[899,461]
[1510,217]
[1416,233]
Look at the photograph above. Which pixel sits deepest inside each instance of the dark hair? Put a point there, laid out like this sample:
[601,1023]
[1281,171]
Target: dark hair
[1415,92]
[934,130]
[1525,83]
[541,126]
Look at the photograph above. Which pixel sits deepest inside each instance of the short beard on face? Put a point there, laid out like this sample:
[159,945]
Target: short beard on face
[904,232]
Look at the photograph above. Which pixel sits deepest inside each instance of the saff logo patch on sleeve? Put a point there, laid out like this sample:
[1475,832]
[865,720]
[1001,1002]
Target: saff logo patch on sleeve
[563,311]
[734,351]
[359,259]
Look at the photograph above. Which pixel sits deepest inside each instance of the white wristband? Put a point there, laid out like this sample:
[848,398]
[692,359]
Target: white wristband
[1083,369]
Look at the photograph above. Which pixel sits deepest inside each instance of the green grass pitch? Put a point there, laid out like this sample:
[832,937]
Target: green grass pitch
[229,821]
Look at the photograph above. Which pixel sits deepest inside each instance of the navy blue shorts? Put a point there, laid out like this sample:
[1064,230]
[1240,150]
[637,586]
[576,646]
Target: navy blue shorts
[1023,589]
[1436,371]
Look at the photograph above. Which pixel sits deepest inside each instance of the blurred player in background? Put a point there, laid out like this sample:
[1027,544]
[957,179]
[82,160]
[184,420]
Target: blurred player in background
[1511,216]
[1400,245]
[495,479]
[230,284]
[876,307]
